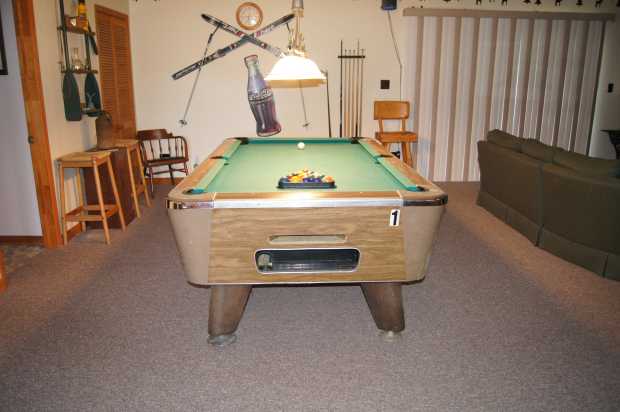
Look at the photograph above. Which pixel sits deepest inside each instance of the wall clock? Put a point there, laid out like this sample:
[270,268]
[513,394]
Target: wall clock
[249,15]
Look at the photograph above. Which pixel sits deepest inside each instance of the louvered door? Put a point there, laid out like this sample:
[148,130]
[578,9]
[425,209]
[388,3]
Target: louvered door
[115,70]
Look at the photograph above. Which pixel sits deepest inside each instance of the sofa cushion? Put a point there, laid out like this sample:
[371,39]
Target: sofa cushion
[504,139]
[586,166]
[537,150]
[581,208]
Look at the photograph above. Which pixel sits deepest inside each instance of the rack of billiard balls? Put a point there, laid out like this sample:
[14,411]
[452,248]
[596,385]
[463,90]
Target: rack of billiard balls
[306,179]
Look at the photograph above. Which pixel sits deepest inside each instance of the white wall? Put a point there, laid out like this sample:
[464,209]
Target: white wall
[64,137]
[166,37]
[20,214]
[162,45]
[607,112]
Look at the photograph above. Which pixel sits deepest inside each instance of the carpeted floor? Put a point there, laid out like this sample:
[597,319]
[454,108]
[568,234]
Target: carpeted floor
[497,325]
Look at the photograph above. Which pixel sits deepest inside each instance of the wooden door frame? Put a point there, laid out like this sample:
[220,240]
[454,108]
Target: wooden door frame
[30,70]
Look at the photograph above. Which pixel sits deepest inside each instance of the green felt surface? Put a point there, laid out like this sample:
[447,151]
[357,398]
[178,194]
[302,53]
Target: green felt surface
[257,166]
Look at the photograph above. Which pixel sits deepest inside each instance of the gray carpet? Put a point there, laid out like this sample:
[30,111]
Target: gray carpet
[497,325]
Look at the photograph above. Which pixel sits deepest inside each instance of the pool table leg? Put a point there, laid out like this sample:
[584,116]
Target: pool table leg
[225,310]
[385,301]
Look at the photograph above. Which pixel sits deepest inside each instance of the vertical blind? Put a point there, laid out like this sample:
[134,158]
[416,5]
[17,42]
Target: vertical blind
[533,75]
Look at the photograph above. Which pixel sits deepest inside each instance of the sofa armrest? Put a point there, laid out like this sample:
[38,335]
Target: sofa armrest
[512,178]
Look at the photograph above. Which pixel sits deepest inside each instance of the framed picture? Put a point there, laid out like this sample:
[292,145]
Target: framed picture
[3,69]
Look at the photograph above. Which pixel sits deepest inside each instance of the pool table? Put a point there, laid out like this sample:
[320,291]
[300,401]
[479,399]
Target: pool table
[235,228]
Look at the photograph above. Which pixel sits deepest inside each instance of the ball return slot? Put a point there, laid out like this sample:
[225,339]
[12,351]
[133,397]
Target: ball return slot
[273,261]
[306,239]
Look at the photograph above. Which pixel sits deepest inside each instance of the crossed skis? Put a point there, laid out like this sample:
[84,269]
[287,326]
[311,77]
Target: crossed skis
[244,38]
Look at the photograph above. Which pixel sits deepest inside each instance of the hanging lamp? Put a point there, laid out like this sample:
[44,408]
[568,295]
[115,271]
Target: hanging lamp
[295,65]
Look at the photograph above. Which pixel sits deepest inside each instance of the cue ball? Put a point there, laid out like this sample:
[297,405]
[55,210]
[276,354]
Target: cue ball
[301,145]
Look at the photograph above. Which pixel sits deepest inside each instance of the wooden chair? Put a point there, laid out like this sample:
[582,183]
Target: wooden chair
[159,148]
[395,110]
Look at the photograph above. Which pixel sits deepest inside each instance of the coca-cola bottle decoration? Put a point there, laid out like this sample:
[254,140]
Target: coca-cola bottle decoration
[260,97]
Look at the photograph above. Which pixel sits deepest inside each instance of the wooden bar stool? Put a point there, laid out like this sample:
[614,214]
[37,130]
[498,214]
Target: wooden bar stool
[81,160]
[132,146]
[395,110]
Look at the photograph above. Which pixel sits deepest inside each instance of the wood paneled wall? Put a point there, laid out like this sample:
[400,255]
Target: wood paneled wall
[533,75]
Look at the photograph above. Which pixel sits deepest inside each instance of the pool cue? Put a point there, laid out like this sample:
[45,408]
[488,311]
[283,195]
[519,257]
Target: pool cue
[351,95]
[346,93]
[354,82]
[329,110]
[362,89]
[358,127]
[353,91]
[350,92]
[340,127]
[356,91]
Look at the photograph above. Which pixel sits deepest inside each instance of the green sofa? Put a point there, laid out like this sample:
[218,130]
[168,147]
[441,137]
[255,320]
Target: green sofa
[564,202]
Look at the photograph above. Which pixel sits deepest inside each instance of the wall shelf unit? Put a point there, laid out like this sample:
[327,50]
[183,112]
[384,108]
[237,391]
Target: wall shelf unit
[90,103]
[80,71]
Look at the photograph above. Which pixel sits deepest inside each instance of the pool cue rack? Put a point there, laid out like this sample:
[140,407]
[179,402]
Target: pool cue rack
[351,90]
